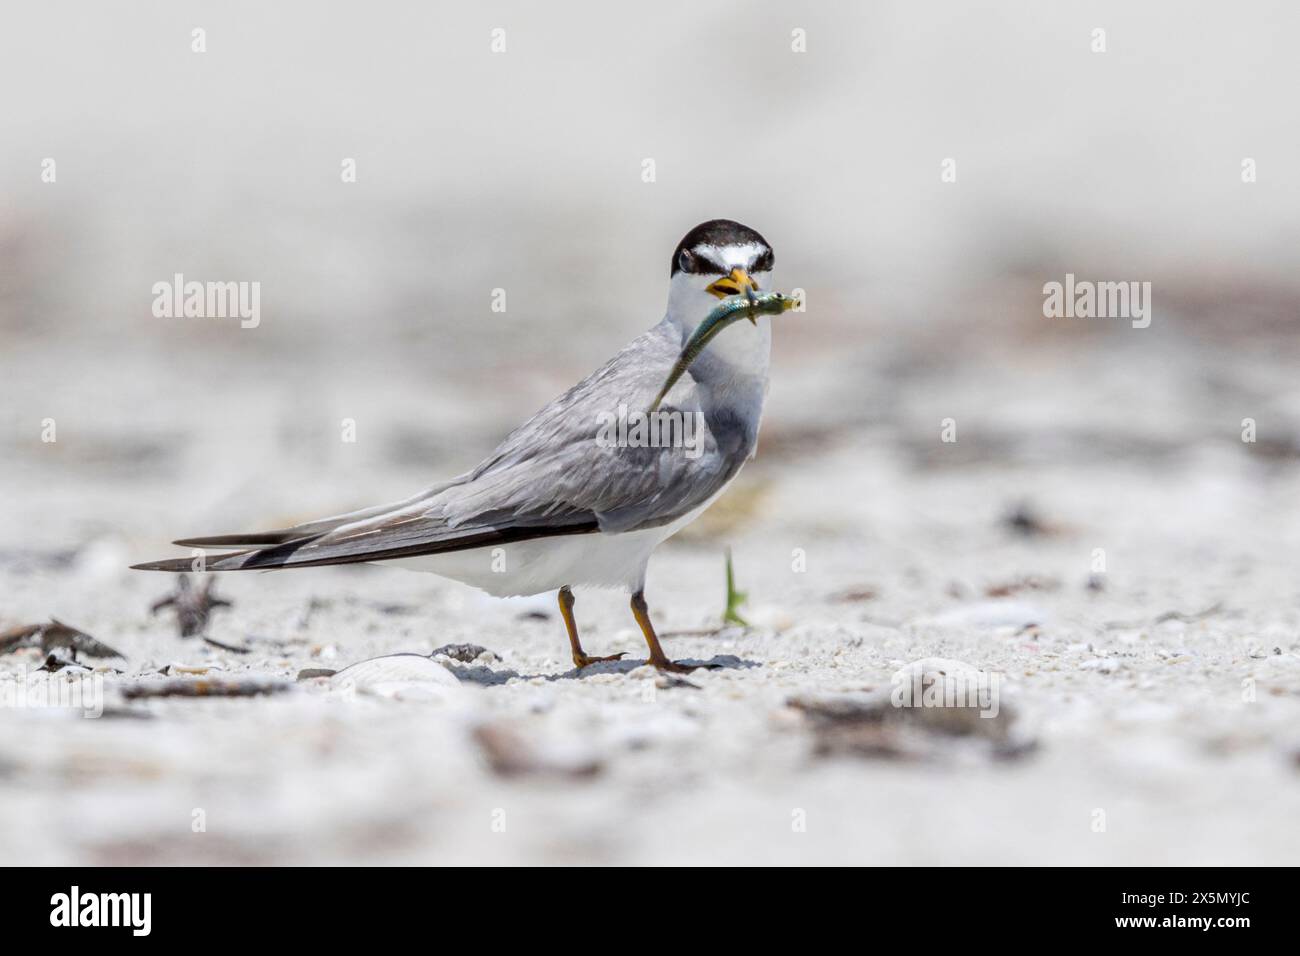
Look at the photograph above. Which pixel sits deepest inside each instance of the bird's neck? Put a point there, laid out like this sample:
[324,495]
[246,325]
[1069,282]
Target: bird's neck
[733,368]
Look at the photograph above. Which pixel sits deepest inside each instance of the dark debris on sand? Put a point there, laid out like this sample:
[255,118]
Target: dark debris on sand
[510,752]
[871,726]
[465,653]
[203,687]
[53,636]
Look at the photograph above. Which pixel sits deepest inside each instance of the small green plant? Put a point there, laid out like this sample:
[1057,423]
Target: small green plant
[734,598]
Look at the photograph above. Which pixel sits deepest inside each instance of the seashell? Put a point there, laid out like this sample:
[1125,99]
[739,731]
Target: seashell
[377,673]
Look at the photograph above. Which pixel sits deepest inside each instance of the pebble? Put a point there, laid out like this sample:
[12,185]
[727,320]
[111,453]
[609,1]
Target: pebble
[466,653]
[178,668]
[311,673]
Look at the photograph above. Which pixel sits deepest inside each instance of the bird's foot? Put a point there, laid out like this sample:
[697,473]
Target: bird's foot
[583,660]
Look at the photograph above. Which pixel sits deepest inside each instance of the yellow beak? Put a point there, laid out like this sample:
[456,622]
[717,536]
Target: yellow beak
[734,284]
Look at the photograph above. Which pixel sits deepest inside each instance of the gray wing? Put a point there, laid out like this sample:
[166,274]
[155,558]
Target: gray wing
[553,475]
[561,463]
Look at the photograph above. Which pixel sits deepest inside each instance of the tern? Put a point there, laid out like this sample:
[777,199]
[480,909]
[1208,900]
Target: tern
[557,505]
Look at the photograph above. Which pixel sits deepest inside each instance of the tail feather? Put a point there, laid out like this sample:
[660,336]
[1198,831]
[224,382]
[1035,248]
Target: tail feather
[306,531]
[320,550]
[376,534]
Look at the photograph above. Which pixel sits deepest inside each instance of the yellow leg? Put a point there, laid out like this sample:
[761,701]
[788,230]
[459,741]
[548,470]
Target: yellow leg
[580,659]
[657,656]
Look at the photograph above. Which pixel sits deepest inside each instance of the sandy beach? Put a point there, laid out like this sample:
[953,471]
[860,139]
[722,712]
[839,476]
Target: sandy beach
[1097,518]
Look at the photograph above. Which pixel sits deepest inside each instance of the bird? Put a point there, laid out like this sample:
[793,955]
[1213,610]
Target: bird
[554,507]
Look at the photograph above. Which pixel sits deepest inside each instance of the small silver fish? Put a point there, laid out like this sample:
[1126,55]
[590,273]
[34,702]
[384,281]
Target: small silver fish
[770,303]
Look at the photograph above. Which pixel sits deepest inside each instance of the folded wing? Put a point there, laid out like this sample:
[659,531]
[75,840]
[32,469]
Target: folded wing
[557,474]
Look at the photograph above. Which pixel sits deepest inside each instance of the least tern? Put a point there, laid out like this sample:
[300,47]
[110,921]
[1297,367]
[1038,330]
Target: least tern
[554,507]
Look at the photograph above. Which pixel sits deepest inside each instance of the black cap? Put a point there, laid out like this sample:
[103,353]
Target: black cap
[718,232]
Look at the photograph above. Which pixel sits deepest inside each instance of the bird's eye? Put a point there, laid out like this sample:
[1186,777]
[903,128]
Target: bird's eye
[685,261]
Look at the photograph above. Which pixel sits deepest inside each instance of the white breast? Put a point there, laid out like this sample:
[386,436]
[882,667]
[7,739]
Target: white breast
[594,560]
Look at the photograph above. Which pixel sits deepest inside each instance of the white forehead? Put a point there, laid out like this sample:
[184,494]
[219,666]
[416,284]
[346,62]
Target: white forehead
[737,256]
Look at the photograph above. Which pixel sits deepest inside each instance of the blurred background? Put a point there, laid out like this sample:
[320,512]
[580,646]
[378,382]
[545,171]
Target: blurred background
[522,170]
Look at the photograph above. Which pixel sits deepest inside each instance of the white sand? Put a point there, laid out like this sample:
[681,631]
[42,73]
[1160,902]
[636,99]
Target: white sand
[925,304]
[1142,720]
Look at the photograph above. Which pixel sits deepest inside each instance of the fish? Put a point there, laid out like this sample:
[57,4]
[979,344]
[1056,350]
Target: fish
[769,303]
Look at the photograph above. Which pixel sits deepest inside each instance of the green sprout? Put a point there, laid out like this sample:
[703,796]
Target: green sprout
[734,598]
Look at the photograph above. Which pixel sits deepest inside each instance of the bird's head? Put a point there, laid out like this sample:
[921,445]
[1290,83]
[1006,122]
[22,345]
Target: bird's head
[715,260]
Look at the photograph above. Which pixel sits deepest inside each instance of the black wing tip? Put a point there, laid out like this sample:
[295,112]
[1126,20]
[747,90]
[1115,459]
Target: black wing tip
[261,540]
[217,562]
[252,557]
[286,554]
[170,564]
